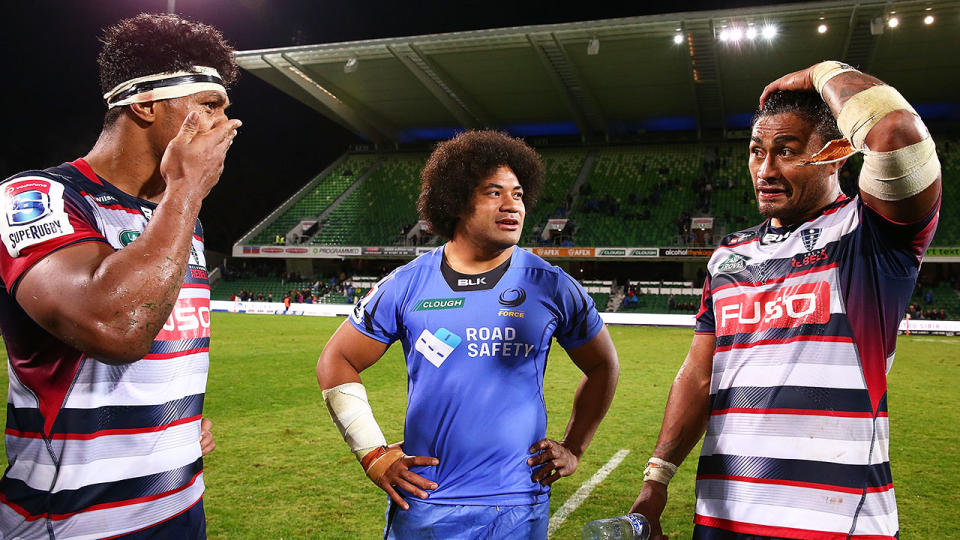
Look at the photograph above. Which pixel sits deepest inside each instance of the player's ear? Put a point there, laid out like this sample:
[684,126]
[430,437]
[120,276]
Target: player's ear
[145,112]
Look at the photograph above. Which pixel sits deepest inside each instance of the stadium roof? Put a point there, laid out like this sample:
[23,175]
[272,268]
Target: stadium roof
[614,76]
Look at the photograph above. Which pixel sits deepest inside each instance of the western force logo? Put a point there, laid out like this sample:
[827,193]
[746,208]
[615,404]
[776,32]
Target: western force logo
[27,207]
[436,348]
[733,264]
[513,297]
[128,236]
[809,238]
[439,303]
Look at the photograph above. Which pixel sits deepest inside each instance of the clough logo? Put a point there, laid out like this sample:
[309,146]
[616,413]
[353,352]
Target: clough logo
[807,303]
[513,297]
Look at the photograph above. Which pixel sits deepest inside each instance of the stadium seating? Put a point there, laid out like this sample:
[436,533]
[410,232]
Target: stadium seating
[561,168]
[318,199]
[379,210]
[632,196]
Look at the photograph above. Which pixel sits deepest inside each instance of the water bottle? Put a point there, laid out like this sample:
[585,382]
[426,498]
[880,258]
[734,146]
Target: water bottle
[628,527]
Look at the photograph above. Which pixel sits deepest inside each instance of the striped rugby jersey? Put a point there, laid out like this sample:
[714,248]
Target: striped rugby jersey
[96,450]
[806,322]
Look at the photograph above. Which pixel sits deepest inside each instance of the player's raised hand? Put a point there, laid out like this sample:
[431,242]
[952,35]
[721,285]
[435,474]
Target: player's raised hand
[557,461]
[193,160]
[395,472]
[798,81]
[651,502]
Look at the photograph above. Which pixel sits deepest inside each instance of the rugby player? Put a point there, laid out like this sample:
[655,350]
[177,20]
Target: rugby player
[798,322]
[476,318]
[105,305]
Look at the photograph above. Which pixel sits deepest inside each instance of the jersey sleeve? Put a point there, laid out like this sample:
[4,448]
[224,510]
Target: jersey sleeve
[914,238]
[377,314]
[706,323]
[579,320]
[41,216]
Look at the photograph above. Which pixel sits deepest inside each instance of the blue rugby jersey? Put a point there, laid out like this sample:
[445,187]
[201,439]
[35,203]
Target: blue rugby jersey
[96,450]
[806,322]
[476,350]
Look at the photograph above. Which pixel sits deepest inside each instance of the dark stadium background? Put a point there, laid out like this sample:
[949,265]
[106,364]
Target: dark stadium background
[52,107]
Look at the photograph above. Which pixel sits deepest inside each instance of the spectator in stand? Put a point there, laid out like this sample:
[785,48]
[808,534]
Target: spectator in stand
[269,297]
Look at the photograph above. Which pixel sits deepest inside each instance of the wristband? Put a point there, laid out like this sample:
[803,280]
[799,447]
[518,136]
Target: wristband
[824,71]
[659,470]
[381,460]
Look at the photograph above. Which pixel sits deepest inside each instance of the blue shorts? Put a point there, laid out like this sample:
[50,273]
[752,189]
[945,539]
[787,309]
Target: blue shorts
[467,522]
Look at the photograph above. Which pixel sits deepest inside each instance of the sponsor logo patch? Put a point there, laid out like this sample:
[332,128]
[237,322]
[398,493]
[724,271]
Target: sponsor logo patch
[436,348]
[788,307]
[510,313]
[733,264]
[774,238]
[431,304]
[128,236]
[34,213]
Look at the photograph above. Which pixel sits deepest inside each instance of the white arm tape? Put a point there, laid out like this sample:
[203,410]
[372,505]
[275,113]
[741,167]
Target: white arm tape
[901,173]
[353,416]
[824,71]
[659,470]
[865,109]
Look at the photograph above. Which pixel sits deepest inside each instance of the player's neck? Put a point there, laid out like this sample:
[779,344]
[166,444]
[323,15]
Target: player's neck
[468,258]
[126,160]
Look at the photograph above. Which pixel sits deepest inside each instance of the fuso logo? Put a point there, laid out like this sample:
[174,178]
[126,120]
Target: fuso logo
[189,319]
[807,303]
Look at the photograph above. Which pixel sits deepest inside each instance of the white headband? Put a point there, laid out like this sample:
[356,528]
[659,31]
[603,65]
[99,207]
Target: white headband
[168,85]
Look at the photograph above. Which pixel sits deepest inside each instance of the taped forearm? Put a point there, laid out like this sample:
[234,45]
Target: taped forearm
[353,416]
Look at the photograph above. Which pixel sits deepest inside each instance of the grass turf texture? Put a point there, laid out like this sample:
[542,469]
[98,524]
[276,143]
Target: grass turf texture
[281,469]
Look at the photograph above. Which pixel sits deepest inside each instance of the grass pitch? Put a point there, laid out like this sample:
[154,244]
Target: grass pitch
[281,469]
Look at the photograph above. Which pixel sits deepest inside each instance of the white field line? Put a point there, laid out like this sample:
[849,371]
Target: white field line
[951,341]
[581,494]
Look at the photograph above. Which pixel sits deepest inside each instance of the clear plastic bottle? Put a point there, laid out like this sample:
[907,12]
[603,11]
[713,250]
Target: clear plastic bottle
[628,527]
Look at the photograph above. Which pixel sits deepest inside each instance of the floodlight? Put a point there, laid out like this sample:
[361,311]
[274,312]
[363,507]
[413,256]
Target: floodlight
[724,35]
[593,47]
[893,22]
[736,34]
[769,31]
[928,19]
[351,65]
[751,33]
[678,38]
[822,29]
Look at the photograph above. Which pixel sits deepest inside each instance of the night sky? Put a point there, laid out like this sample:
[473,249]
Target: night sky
[53,110]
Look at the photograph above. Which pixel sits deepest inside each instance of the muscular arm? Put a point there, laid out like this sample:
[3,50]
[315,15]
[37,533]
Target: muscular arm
[347,354]
[684,421]
[597,359]
[111,304]
[896,130]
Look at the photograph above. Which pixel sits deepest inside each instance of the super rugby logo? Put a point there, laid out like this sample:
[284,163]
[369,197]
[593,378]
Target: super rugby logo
[27,207]
[789,307]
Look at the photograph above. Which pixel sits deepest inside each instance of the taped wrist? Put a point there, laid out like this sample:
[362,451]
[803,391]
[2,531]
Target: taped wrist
[824,71]
[659,470]
[379,460]
[901,173]
[351,413]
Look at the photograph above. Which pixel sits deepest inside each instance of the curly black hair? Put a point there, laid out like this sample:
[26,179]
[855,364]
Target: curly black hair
[156,43]
[807,105]
[456,167]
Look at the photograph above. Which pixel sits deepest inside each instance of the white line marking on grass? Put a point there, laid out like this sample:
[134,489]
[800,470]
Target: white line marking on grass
[581,494]
[935,340]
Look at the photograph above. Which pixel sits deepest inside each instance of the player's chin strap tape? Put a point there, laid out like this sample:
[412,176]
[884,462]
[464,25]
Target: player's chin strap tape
[902,173]
[161,86]
[659,470]
[351,413]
